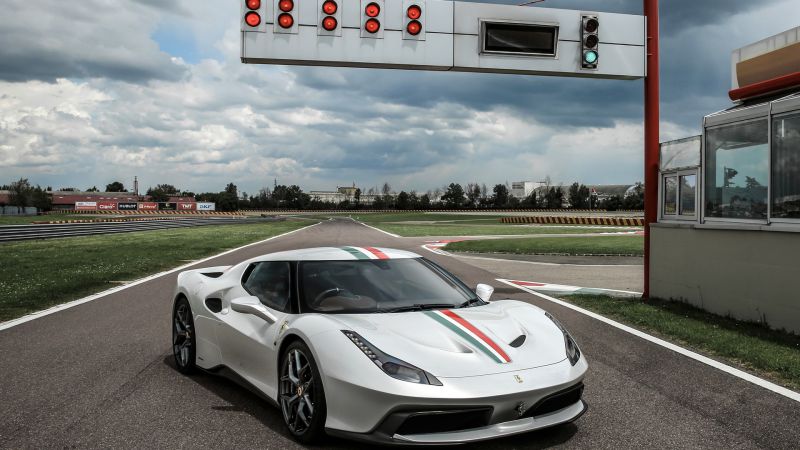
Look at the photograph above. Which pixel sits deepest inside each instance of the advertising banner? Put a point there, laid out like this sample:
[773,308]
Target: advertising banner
[206,206]
[187,206]
[107,206]
[127,206]
[149,206]
[167,206]
[85,206]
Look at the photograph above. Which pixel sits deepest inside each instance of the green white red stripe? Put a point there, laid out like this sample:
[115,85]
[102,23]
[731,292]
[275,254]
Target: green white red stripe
[366,252]
[470,333]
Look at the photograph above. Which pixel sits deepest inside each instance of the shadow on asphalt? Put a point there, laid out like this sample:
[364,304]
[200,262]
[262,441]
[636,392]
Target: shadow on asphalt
[240,399]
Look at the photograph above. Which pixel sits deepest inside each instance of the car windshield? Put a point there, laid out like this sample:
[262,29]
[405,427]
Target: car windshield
[370,286]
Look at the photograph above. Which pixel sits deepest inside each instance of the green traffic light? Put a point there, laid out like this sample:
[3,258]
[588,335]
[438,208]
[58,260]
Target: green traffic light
[590,57]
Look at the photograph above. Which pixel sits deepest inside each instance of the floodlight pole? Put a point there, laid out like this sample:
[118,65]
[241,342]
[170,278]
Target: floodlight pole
[651,134]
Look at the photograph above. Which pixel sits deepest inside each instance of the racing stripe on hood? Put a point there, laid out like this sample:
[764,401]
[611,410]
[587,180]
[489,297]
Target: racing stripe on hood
[470,333]
[356,252]
[366,252]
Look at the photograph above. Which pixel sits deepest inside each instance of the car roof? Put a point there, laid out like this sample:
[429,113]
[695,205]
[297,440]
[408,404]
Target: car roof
[343,253]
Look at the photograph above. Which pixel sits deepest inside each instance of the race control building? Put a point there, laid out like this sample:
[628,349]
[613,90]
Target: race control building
[728,235]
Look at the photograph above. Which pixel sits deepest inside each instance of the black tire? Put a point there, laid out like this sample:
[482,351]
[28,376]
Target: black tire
[300,399]
[184,342]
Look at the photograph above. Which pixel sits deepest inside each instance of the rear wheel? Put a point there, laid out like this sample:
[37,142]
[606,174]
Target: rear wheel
[300,394]
[183,336]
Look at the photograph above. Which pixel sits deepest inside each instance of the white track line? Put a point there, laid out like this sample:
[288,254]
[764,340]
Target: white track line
[696,356]
[57,308]
[378,229]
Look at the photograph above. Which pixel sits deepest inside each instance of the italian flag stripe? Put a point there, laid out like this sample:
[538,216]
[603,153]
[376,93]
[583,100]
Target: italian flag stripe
[356,252]
[474,336]
[377,252]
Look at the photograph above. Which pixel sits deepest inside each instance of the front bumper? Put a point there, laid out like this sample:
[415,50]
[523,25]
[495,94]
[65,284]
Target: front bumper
[479,408]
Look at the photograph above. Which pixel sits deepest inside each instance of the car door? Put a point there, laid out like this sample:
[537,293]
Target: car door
[247,342]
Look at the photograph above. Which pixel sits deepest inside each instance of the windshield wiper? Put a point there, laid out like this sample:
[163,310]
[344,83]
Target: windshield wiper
[417,307]
[471,302]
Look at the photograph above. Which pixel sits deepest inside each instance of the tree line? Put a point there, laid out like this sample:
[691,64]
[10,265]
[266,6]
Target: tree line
[451,196]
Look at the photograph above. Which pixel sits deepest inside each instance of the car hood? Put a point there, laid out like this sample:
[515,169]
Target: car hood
[467,341]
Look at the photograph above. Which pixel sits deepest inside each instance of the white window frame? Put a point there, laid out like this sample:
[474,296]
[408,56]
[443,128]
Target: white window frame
[678,217]
[781,112]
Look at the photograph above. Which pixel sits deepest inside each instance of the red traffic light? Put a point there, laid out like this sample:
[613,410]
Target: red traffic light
[414,12]
[414,27]
[372,10]
[329,23]
[285,20]
[330,7]
[252,18]
[286,6]
[254,4]
[372,26]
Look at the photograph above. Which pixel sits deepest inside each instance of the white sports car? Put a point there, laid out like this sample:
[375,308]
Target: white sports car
[379,345]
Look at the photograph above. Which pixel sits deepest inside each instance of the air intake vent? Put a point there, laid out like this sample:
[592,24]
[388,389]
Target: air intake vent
[517,343]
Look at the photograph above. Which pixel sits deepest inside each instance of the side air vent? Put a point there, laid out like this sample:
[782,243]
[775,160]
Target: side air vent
[517,343]
[213,274]
[214,305]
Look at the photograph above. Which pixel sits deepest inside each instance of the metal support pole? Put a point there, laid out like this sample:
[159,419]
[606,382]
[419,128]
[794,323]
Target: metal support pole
[651,134]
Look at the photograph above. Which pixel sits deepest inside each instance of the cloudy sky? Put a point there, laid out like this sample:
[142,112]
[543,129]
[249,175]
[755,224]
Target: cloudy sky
[93,91]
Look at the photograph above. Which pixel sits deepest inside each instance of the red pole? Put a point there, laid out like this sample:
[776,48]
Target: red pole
[651,134]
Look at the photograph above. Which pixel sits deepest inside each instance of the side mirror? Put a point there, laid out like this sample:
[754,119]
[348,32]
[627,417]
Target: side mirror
[252,305]
[484,292]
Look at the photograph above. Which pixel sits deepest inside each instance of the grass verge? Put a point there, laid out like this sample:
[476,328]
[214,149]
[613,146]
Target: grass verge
[39,274]
[592,245]
[25,220]
[773,354]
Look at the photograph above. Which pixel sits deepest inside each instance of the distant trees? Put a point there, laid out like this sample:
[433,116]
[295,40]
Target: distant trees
[453,196]
[162,192]
[23,195]
[500,196]
[578,196]
[116,186]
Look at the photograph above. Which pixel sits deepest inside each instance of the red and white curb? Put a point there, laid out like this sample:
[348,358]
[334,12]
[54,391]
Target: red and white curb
[438,246]
[780,390]
[563,289]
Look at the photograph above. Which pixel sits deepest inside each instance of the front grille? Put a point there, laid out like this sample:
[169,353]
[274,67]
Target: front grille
[557,401]
[441,421]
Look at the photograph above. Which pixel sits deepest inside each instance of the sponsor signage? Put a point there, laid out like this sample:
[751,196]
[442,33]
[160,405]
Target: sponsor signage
[167,206]
[85,206]
[149,206]
[127,206]
[206,206]
[106,206]
[187,206]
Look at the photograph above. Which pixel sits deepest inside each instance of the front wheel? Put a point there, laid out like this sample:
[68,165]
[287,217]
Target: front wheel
[301,395]
[183,336]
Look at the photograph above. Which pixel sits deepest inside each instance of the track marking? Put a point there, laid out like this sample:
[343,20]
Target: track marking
[63,306]
[377,229]
[788,393]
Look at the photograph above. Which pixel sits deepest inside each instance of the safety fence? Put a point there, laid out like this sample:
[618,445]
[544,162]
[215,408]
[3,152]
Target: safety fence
[611,221]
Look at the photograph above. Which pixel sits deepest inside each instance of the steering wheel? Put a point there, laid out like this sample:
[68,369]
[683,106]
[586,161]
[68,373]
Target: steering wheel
[330,293]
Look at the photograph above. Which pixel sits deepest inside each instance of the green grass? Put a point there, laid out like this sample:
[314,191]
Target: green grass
[599,245]
[24,220]
[39,274]
[373,218]
[774,354]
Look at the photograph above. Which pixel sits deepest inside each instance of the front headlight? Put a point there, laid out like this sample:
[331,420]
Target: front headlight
[573,352]
[390,365]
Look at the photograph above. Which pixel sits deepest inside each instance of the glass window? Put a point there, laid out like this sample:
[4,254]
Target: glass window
[737,171]
[786,167]
[269,281]
[342,287]
[670,195]
[688,190]
[681,153]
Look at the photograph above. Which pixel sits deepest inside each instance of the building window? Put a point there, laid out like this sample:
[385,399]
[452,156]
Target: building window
[670,196]
[786,167]
[688,189]
[737,171]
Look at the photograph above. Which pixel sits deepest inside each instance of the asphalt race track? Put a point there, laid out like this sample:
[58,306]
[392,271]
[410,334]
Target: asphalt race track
[101,375]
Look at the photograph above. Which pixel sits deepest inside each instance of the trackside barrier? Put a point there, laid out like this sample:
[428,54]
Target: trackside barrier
[612,221]
[155,213]
[121,220]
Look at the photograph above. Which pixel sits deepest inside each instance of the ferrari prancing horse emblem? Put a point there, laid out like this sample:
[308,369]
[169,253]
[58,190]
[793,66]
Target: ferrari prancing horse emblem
[518,378]
[520,409]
